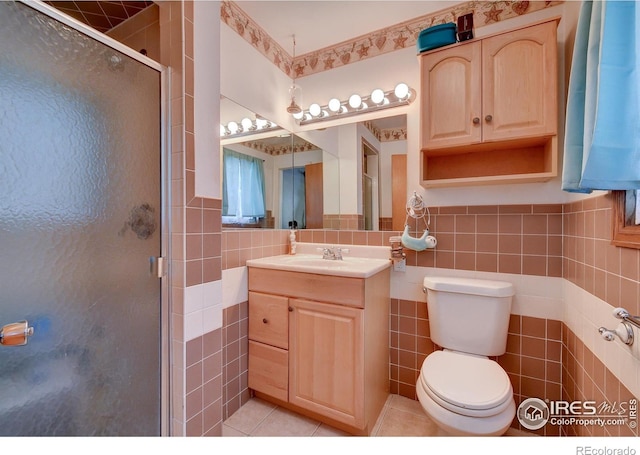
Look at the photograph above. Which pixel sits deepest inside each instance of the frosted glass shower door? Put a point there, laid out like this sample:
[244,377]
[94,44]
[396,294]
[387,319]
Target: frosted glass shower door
[80,218]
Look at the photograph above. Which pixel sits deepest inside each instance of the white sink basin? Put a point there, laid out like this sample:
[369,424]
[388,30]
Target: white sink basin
[357,267]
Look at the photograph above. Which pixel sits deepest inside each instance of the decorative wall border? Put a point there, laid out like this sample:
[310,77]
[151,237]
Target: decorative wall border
[386,134]
[399,36]
[295,146]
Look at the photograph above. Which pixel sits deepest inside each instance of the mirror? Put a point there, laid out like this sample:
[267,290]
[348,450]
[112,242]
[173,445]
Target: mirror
[288,189]
[328,178]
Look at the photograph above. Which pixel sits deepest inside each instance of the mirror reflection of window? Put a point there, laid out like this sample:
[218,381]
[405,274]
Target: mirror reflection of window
[243,189]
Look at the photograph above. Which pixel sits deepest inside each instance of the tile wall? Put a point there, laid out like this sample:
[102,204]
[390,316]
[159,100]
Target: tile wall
[196,363]
[544,358]
[613,275]
[141,32]
[570,241]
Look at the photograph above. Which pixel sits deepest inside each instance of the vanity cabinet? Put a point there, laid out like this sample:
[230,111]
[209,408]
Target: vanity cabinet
[489,109]
[333,363]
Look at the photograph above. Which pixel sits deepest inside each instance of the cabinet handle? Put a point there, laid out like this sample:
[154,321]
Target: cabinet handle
[290,309]
[488,118]
[264,320]
[476,120]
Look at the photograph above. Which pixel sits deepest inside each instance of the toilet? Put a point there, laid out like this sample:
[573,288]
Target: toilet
[461,389]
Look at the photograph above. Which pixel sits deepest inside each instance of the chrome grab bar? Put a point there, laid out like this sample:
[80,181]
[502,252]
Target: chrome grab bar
[623,314]
[624,331]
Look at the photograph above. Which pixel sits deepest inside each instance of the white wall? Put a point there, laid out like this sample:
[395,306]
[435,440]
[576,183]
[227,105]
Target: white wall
[207,73]
[385,71]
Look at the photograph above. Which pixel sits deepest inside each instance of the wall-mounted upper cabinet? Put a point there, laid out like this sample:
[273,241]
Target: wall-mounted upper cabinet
[489,109]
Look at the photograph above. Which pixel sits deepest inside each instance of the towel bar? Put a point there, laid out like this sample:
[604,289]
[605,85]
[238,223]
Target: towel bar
[623,314]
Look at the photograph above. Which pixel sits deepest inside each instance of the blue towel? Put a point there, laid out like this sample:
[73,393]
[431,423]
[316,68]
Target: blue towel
[602,134]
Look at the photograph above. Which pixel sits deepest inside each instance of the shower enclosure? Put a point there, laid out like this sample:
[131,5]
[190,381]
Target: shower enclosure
[82,225]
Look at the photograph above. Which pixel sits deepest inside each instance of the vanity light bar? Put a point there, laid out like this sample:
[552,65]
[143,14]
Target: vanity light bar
[401,95]
[246,127]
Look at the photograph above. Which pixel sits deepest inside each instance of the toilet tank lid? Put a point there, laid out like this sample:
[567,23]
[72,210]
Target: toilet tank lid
[469,286]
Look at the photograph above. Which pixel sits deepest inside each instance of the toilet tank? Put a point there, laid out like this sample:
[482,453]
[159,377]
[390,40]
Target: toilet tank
[469,315]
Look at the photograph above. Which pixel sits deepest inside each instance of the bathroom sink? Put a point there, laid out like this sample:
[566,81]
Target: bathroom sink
[358,267]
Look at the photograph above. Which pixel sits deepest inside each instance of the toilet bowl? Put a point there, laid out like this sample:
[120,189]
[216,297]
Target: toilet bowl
[460,388]
[466,394]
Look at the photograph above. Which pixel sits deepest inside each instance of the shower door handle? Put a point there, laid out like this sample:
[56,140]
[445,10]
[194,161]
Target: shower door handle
[15,334]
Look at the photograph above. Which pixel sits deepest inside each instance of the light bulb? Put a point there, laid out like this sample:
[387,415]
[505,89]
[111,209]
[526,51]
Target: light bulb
[364,105]
[315,109]
[401,91]
[222,130]
[355,101]
[298,116]
[260,123]
[377,96]
[307,116]
[334,105]
[246,124]
[233,127]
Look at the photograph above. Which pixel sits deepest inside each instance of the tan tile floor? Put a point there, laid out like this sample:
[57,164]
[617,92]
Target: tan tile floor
[400,417]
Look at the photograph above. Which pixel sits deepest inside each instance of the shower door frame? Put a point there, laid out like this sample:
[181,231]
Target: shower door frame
[165,178]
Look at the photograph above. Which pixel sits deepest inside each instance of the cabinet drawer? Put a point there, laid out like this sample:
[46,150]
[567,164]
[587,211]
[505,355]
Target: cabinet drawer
[268,370]
[269,319]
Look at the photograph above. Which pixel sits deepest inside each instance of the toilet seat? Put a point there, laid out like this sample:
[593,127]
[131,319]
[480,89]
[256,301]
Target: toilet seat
[466,384]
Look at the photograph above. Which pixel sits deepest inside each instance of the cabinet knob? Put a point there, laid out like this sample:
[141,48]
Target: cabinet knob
[476,120]
[264,320]
[488,118]
[290,308]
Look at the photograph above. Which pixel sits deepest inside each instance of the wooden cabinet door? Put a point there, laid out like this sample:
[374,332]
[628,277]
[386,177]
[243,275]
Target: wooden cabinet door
[451,96]
[519,83]
[326,360]
[269,319]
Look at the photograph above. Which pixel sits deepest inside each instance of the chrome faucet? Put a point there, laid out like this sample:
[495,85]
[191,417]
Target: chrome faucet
[333,253]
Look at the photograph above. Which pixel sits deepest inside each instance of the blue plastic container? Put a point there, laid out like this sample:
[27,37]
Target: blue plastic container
[436,36]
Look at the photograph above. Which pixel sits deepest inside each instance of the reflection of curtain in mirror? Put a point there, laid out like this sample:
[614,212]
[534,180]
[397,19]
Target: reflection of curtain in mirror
[243,193]
[293,198]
